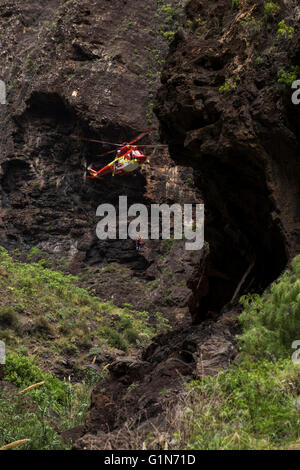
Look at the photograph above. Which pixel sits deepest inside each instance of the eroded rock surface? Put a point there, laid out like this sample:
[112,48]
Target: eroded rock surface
[139,391]
[243,141]
[89,69]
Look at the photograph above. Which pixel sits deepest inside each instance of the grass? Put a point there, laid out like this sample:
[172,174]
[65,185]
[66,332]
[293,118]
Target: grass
[272,322]
[254,404]
[45,309]
[251,406]
[46,318]
[41,412]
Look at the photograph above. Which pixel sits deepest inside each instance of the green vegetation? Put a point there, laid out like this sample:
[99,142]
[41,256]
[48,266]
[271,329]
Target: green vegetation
[168,18]
[17,421]
[62,318]
[272,322]
[35,414]
[189,182]
[251,25]
[44,311]
[285,31]
[235,4]
[271,9]
[23,372]
[108,268]
[289,77]
[251,406]
[127,23]
[154,284]
[230,85]
[195,24]
[167,245]
[254,403]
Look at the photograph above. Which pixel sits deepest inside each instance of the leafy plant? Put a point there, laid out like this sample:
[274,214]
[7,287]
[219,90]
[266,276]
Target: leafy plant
[54,405]
[271,9]
[251,25]
[272,322]
[284,30]
[230,85]
[8,316]
[254,404]
[249,406]
[288,77]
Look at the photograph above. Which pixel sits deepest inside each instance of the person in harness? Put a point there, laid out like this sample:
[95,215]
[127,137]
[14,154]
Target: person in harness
[138,244]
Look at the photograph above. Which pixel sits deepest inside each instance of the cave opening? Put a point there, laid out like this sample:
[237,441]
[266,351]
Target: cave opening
[247,248]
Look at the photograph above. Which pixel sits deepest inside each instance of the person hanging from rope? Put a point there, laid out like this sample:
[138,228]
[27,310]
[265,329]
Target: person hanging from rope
[138,244]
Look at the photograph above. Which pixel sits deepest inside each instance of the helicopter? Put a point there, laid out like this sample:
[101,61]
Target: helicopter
[127,160]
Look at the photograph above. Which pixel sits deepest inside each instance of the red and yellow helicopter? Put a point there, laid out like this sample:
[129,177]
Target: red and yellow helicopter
[128,158]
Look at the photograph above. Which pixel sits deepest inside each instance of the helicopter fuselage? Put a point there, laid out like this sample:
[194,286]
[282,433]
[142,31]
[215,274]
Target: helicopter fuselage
[124,163]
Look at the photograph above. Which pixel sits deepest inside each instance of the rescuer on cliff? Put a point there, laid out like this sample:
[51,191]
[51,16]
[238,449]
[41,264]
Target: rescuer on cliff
[138,244]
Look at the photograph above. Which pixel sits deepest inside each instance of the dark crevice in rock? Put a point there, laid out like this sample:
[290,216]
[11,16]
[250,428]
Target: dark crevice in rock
[243,144]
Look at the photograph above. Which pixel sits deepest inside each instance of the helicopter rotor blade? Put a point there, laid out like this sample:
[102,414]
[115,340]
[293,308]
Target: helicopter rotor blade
[140,136]
[86,139]
[105,153]
[155,146]
[104,142]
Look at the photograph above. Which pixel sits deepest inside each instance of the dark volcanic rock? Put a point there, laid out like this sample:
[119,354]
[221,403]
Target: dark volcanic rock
[243,141]
[137,402]
[89,69]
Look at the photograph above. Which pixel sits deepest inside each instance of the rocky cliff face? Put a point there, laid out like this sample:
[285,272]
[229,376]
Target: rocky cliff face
[135,406]
[90,69]
[225,108]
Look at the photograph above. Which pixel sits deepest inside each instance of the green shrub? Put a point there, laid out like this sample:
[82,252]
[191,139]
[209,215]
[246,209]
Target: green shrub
[230,85]
[23,371]
[272,322]
[271,9]
[284,30]
[167,245]
[39,413]
[113,337]
[196,23]
[235,4]
[8,316]
[249,406]
[34,254]
[288,77]
[6,334]
[154,284]
[251,25]
[18,421]
[254,404]
[131,335]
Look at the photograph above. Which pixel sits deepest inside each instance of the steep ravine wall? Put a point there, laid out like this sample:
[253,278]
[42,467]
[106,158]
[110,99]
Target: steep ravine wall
[242,140]
[87,68]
